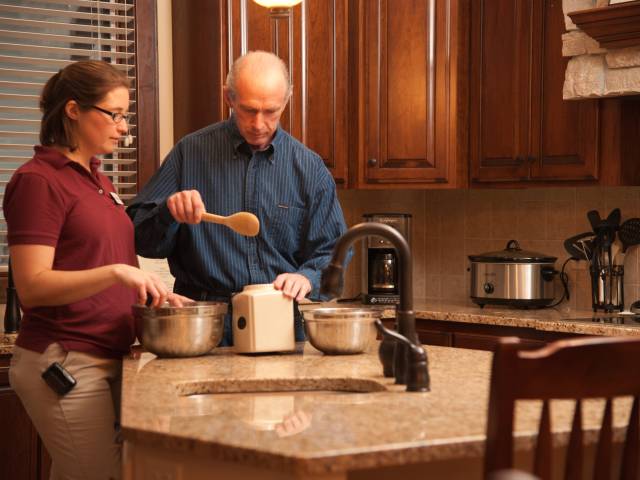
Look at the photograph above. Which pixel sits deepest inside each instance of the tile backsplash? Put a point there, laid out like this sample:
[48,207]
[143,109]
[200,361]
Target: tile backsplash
[449,225]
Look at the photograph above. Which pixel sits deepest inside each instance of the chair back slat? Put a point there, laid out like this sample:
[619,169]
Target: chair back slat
[566,369]
[602,469]
[575,450]
[630,457]
[542,463]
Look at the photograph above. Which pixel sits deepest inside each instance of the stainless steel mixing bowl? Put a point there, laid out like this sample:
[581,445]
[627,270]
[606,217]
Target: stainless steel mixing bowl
[341,331]
[187,331]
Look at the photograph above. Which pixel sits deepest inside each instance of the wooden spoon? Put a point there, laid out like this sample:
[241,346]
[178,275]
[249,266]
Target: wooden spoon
[244,223]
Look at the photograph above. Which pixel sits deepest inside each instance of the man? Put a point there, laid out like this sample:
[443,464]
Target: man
[246,163]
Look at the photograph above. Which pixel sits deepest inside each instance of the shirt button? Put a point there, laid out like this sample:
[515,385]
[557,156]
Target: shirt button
[100,191]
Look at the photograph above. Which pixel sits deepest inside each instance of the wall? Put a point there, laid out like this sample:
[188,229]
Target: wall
[593,71]
[165,103]
[165,77]
[450,225]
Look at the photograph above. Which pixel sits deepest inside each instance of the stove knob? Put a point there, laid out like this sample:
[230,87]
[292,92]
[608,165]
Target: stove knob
[488,287]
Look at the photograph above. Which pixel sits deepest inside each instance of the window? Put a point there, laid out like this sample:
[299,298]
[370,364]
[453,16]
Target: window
[39,37]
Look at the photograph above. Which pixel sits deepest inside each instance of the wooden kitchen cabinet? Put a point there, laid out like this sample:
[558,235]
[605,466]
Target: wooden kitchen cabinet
[520,127]
[377,86]
[22,455]
[408,60]
[479,336]
[313,42]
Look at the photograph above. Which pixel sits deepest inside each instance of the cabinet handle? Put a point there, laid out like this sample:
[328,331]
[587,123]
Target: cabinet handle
[531,159]
[372,162]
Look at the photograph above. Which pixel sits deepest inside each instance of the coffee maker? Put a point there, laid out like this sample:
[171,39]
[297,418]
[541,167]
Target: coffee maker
[380,260]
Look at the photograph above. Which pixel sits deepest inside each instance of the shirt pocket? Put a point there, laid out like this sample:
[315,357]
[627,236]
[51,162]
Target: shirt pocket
[286,228]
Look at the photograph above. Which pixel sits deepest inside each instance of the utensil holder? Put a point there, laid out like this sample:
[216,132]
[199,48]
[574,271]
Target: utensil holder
[12,314]
[607,288]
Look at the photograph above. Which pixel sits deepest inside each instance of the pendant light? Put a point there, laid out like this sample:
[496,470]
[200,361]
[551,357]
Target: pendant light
[278,7]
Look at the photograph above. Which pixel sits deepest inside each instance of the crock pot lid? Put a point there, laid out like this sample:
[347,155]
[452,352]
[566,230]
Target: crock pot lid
[513,253]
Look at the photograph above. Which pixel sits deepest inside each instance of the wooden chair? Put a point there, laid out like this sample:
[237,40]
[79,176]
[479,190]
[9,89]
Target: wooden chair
[602,367]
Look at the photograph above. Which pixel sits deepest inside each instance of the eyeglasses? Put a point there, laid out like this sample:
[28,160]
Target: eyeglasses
[116,116]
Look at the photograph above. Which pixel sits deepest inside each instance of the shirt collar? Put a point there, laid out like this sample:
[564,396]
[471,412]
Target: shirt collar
[240,144]
[58,160]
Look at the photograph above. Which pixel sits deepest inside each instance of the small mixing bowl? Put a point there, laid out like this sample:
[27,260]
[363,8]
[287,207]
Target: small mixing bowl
[188,331]
[341,331]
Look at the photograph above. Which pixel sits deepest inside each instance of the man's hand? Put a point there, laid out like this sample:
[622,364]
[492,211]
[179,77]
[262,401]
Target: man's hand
[293,285]
[186,206]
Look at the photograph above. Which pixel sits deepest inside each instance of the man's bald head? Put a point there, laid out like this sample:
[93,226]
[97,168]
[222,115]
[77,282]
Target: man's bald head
[258,66]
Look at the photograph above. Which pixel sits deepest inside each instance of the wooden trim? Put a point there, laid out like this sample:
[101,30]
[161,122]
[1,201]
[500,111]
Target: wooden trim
[199,63]
[147,90]
[613,26]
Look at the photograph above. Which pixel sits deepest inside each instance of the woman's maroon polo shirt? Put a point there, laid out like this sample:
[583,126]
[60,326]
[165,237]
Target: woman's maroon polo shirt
[54,201]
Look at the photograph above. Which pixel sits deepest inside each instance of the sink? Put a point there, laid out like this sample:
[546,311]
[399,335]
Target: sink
[281,385]
[284,405]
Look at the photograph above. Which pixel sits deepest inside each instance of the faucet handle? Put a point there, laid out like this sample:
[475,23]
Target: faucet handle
[418,374]
[331,280]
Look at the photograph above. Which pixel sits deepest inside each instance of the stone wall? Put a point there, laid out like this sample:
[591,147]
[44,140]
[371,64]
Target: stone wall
[593,71]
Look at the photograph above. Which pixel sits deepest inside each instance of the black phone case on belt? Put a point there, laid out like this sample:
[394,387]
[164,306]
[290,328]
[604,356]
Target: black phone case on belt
[59,379]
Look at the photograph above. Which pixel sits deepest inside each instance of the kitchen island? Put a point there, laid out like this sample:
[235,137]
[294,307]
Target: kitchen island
[326,417]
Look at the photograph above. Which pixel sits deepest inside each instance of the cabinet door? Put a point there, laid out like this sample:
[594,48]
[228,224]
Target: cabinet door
[313,43]
[434,337]
[19,440]
[564,133]
[405,66]
[499,92]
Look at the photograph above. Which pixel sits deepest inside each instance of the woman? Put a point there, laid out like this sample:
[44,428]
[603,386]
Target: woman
[75,269]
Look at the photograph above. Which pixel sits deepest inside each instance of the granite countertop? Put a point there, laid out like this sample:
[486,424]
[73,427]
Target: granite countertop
[6,342]
[164,403]
[559,319]
[547,319]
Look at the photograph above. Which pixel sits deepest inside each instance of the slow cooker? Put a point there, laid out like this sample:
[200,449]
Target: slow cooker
[513,277]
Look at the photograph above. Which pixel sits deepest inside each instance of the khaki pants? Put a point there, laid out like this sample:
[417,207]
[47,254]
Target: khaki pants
[77,429]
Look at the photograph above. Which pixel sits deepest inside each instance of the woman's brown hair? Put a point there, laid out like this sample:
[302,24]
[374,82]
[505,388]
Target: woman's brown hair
[87,82]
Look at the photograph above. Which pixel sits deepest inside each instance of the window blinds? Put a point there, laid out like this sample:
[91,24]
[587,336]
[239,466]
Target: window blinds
[39,37]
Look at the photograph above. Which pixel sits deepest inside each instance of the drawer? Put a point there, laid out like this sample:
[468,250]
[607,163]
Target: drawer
[434,337]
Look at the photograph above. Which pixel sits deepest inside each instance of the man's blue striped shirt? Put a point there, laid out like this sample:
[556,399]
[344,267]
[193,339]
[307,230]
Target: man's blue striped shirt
[286,186]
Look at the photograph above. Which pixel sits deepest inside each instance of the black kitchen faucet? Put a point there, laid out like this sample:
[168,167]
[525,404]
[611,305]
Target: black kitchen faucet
[407,361]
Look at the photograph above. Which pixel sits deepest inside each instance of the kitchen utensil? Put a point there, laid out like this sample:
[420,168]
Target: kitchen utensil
[262,320]
[614,221]
[578,246]
[244,223]
[586,246]
[12,313]
[594,219]
[514,277]
[629,233]
[340,331]
[188,331]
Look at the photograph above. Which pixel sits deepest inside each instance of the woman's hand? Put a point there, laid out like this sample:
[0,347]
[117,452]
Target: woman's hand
[176,300]
[147,284]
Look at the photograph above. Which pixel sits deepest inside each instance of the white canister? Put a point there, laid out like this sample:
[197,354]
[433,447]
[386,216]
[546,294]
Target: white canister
[262,320]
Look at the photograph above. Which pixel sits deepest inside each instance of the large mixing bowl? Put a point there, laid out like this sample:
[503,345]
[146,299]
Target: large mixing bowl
[187,331]
[341,331]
